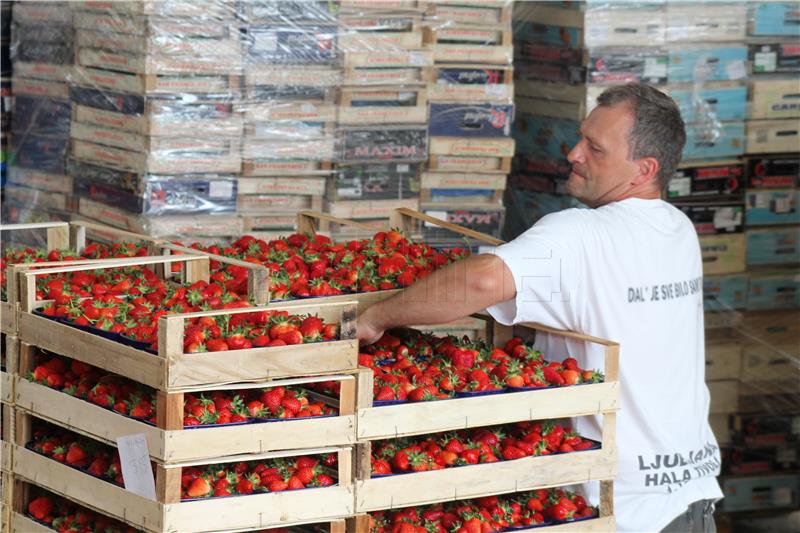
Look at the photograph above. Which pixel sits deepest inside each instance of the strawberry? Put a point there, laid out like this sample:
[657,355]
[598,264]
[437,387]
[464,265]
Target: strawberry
[311,328]
[41,507]
[76,455]
[199,488]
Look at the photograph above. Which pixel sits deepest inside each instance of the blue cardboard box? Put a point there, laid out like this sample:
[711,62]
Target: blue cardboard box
[707,141]
[774,246]
[765,207]
[707,63]
[774,291]
[553,137]
[40,116]
[772,18]
[769,491]
[466,120]
[48,154]
[722,293]
[712,103]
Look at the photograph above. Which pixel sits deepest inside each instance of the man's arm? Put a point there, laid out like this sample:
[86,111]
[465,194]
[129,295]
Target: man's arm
[447,294]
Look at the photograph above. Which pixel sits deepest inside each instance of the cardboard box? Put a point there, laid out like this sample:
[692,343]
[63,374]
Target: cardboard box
[773,136]
[384,144]
[465,120]
[709,62]
[773,172]
[484,219]
[723,360]
[472,83]
[726,141]
[719,425]
[32,115]
[722,293]
[722,101]
[775,99]
[375,181]
[724,396]
[47,154]
[706,22]
[712,180]
[777,246]
[723,254]
[773,18]
[774,57]
[771,491]
[710,219]
[768,207]
[774,290]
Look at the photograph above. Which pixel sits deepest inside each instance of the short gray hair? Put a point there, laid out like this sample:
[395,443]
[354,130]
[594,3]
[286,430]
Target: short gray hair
[658,129]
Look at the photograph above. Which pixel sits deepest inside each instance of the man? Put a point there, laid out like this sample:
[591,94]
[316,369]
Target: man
[629,270]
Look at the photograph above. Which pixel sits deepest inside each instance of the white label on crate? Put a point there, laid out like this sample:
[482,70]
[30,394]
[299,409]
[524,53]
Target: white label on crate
[655,68]
[135,461]
[765,61]
[220,189]
[783,205]
[761,201]
[680,186]
[265,42]
[441,215]
[736,70]
[417,59]
[782,496]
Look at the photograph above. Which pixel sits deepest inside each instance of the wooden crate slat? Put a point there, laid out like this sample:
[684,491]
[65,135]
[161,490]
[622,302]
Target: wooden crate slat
[22,524]
[61,479]
[6,449]
[596,525]
[6,387]
[445,415]
[482,480]
[113,356]
[8,318]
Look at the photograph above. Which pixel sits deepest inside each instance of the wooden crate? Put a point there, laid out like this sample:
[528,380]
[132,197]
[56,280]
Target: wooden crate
[169,442]
[269,203]
[396,76]
[723,360]
[469,44]
[363,32]
[285,167]
[387,59]
[411,418]
[372,108]
[214,514]
[772,136]
[479,15]
[171,369]
[457,163]
[151,83]
[464,182]
[477,147]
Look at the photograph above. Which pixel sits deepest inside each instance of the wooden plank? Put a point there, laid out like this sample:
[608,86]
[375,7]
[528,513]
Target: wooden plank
[8,317]
[266,363]
[597,525]
[6,456]
[445,415]
[22,524]
[6,388]
[260,511]
[474,481]
[403,217]
[61,479]
[113,356]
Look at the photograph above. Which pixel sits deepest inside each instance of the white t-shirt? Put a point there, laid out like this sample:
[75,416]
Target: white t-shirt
[629,272]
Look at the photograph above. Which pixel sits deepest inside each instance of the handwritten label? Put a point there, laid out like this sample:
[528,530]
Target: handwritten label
[135,461]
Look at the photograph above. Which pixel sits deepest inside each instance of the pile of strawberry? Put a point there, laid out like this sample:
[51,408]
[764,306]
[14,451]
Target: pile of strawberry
[252,330]
[95,385]
[66,516]
[77,451]
[12,256]
[413,366]
[468,447]
[225,407]
[138,401]
[491,513]
[274,475]
[304,267]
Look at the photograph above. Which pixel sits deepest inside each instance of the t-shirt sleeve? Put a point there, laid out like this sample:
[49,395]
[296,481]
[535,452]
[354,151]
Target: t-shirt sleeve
[544,265]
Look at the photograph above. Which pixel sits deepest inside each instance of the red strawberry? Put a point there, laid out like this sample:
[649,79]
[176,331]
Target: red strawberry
[199,488]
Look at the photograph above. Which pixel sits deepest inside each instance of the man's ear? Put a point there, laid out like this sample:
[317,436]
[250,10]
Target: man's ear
[647,171]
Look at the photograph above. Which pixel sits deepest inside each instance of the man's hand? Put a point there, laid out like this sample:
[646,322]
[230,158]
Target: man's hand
[367,332]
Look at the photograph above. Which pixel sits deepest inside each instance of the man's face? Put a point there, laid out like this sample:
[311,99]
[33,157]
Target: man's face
[601,170]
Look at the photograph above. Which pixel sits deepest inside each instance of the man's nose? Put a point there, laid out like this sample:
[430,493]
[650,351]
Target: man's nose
[576,154]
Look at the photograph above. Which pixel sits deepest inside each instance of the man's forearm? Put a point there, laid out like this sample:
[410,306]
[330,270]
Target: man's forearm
[447,294]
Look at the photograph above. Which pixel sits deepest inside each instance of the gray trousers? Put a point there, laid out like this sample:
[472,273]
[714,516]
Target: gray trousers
[698,518]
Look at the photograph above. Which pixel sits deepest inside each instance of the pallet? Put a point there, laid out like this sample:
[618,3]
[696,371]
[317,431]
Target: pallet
[356,115]
[493,45]
[214,514]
